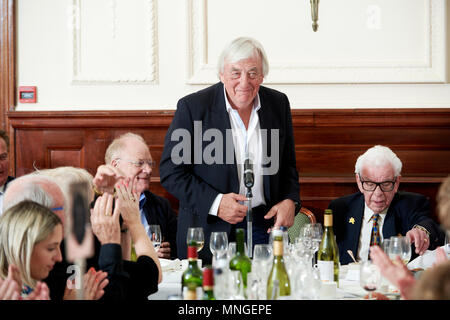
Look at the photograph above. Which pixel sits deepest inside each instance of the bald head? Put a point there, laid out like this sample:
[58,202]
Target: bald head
[38,189]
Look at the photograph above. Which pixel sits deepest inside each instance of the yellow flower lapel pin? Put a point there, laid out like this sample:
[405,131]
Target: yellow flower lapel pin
[351,220]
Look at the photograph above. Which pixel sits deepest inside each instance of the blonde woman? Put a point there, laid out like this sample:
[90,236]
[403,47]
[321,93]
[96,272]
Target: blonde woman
[30,236]
[30,239]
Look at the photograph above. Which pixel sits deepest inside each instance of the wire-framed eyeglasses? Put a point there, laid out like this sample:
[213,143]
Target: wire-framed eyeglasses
[385,186]
[140,163]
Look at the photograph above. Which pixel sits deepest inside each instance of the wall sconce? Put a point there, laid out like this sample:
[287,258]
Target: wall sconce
[315,14]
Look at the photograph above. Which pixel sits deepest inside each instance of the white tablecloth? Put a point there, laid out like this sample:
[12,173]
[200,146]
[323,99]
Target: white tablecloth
[349,287]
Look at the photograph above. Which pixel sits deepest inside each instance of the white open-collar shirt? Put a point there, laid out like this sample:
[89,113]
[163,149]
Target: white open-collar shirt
[246,141]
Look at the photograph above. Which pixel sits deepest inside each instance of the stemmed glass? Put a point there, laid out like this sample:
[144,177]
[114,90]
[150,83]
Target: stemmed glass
[313,233]
[154,232]
[196,234]
[369,277]
[218,242]
[316,237]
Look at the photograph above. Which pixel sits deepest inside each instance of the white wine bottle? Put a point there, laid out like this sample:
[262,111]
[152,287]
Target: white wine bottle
[328,254]
[278,283]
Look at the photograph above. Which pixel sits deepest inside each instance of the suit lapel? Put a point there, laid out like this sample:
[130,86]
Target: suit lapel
[356,214]
[265,122]
[221,121]
[389,229]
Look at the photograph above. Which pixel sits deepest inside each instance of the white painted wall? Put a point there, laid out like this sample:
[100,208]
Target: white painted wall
[146,54]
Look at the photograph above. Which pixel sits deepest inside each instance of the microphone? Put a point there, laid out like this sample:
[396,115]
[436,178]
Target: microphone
[248,173]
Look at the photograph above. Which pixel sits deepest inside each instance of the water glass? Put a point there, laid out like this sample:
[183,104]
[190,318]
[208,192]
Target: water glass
[154,232]
[236,285]
[232,249]
[400,246]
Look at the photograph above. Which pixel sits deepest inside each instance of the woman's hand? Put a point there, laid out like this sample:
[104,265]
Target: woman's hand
[40,292]
[93,284]
[11,286]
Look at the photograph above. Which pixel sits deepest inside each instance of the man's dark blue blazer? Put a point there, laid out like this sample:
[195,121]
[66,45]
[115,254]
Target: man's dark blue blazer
[406,210]
[197,185]
[157,210]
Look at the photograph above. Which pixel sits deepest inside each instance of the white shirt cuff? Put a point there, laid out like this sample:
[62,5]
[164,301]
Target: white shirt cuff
[215,206]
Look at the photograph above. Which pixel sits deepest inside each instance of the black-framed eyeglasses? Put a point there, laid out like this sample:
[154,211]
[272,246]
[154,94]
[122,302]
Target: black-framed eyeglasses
[385,186]
[140,163]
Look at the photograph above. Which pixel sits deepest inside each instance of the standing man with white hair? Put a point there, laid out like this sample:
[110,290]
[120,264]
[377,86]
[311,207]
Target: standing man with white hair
[212,133]
[379,211]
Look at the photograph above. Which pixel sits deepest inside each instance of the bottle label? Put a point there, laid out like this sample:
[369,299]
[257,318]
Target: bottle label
[328,220]
[326,270]
[278,248]
[192,294]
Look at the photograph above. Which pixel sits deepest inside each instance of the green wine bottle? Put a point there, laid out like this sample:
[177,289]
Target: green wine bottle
[328,254]
[240,261]
[208,283]
[192,278]
[278,283]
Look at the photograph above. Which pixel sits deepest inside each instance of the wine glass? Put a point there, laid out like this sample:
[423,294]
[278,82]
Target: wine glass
[196,234]
[154,232]
[218,242]
[369,277]
[314,231]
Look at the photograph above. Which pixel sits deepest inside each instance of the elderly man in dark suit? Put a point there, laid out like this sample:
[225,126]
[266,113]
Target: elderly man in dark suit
[213,132]
[128,157]
[379,211]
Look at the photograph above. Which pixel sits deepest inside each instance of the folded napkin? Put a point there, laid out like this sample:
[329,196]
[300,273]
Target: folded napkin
[424,261]
[170,265]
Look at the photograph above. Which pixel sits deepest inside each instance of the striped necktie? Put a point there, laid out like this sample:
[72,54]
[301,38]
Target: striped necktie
[375,237]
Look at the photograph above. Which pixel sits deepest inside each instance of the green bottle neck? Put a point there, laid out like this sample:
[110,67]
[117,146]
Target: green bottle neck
[240,246]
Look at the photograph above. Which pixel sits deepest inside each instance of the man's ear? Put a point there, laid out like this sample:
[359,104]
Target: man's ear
[397,183]
[358,182]
[114,163]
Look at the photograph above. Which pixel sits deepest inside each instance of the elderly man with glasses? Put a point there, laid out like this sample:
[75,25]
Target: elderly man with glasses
[128,160]
[379,211]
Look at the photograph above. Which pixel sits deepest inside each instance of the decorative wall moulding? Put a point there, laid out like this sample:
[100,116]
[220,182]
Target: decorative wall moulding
[103,52]
[428,64]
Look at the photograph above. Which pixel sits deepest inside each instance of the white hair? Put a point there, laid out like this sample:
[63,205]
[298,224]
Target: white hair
[118,144]
[28,187]
[240,49]
[379,156]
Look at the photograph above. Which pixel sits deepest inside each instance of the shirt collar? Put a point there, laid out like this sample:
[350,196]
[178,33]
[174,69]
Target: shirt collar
[368,213]
[2,188]
[256,102]
[142,200]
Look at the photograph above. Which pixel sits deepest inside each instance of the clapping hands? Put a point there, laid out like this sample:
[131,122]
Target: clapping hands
[93,284]
[11,287]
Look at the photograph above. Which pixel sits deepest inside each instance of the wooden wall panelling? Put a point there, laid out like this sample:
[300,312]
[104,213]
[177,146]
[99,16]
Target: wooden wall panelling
[328,143]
